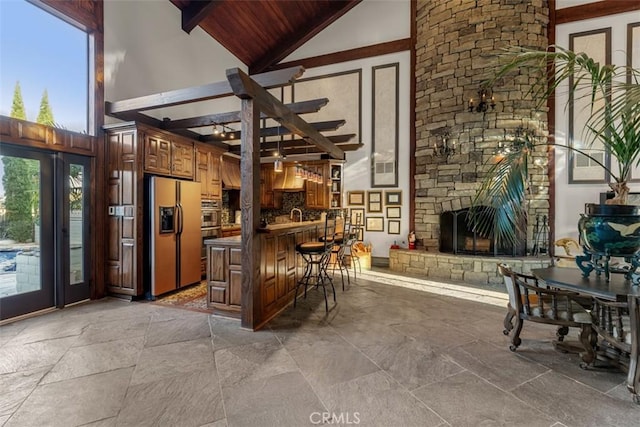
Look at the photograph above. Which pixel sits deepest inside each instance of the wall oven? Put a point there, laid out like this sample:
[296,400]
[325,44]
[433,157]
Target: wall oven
[210,213]
[210,224]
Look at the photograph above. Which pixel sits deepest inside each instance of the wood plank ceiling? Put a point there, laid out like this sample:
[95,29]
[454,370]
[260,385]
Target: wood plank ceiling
[261,33]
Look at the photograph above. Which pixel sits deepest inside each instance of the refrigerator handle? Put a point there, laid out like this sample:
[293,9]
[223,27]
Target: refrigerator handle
[180,218]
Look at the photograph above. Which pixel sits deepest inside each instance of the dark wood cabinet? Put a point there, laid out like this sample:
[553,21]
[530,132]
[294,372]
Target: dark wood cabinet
[268,197]
[168,155]
[207,172]
[224,277]
[132,150]
[125,194]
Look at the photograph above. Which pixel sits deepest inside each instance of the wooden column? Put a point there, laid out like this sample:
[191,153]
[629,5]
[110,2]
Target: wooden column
[249,200]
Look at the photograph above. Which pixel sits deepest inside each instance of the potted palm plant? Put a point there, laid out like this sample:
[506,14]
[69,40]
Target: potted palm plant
[613,95]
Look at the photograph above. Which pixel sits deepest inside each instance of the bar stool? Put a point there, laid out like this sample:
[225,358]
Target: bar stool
[342,241]
[316,256]
[355,230]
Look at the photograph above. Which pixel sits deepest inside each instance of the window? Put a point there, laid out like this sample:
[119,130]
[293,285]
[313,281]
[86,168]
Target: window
[49,58]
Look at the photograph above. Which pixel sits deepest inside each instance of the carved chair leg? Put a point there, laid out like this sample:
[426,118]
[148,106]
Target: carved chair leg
[587,340]
[515,334]
[508,324]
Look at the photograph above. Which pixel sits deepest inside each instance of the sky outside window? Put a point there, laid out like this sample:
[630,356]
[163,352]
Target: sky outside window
[42,52]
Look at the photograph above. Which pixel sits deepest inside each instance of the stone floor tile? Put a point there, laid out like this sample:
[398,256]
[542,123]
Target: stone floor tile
[165,361]
[438,333]
[219,423]
[500,367]
[16,358]
[177,330]
[325,363]
[228,333]
[412,363]
[17,386]
[96,358]
[378,400]
[106,422]
[282,400]
[49,331]
[114,330]
[467,400]
[191,399]
[10,402]
[252,362]
[553,393]
[74,402]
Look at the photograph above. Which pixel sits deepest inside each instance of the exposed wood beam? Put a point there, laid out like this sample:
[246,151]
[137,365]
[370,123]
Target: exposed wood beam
[595,10]
[339,140]
[279,130]
[200,93]
[350,55]
[195,12]
[315,150]
[245,87]
[303,107]
[303,34]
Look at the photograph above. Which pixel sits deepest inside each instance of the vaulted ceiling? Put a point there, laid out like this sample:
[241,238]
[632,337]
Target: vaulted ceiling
[261,33]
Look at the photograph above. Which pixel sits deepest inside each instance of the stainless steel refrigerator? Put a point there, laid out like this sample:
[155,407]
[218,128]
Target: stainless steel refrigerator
[174,234]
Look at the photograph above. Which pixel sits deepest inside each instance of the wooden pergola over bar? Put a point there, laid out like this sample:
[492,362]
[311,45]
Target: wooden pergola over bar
[256,100]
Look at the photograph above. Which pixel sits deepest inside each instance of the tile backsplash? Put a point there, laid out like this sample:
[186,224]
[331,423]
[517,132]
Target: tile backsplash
[290,200]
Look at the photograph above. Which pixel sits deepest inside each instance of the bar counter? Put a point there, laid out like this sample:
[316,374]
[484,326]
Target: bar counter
[279,269]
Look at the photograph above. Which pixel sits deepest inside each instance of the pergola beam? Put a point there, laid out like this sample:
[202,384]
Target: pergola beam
[199,93]
[244,87]
[302,107]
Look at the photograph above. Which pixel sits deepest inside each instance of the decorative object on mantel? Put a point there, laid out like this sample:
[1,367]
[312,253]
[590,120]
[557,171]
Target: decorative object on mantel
[485,100]
[612,97]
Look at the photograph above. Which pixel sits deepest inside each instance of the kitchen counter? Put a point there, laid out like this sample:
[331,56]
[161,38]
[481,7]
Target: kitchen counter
[280,269]
[288,225]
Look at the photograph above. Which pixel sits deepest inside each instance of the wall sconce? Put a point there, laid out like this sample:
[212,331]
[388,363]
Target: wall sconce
[486,100]
[444,145]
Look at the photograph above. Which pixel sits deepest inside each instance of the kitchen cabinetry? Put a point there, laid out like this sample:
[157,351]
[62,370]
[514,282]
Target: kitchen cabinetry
[168,155]
[268,197]
[132,150]
[208,163]
[224,275]
[328,193]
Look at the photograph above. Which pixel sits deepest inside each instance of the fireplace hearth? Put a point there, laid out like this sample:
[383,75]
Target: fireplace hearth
[457,237]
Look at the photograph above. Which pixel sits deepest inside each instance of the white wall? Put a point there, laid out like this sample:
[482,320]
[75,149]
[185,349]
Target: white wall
[147,52]
[371,22]
[571,198]
[561,4]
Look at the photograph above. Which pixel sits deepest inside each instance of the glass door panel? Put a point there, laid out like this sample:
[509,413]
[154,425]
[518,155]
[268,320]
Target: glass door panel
[26,231]
[75,230]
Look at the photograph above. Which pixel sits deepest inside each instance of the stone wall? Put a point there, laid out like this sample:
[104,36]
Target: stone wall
[457,44]
[459,268]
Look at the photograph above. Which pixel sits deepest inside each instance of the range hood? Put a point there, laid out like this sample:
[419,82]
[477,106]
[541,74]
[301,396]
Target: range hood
[230,172]
[286,180]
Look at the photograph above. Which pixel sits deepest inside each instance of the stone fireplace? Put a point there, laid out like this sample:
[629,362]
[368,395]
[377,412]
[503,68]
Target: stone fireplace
[456,51]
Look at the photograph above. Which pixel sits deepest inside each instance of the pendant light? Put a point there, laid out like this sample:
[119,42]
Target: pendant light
[277,165]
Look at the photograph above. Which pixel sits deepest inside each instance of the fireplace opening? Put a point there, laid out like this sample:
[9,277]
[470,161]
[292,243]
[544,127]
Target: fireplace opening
[457,237]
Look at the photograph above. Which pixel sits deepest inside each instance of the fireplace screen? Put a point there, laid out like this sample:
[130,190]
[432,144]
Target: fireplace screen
[457,237]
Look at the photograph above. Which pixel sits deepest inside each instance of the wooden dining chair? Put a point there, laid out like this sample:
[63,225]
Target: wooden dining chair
[530,301]
[618,325]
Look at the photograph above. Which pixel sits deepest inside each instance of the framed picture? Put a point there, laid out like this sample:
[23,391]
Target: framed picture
[393,226]
[393,198]
[375,223]
[394,212]
[583,169]
[355,198]
[357,216]
[385,103]
[374,201]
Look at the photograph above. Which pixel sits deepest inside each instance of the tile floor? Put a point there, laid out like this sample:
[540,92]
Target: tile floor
[383,356]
